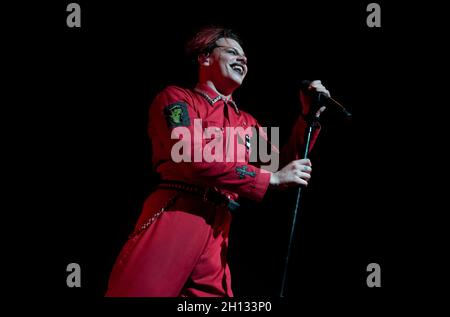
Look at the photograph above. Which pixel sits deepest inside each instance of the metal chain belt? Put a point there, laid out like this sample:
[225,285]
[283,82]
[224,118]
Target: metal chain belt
[145,225]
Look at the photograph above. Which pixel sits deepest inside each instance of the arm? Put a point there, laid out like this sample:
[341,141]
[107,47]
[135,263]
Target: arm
[296,170]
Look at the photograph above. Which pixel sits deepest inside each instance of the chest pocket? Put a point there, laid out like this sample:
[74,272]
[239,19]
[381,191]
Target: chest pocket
[240,142]
[212,130]
[214,141]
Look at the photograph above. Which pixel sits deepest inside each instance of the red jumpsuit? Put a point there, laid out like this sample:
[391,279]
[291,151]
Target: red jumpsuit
[179,247]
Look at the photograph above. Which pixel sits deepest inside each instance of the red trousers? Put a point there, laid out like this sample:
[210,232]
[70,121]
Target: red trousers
[182,253]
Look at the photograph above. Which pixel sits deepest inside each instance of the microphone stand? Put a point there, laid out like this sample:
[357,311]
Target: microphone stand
[313,120]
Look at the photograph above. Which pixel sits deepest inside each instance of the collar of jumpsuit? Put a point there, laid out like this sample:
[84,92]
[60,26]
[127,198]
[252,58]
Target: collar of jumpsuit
[212,96]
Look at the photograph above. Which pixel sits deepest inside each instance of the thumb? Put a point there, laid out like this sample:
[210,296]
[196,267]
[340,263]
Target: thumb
[319,112]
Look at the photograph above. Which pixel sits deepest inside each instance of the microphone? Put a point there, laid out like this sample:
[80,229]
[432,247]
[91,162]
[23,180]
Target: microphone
[304,86]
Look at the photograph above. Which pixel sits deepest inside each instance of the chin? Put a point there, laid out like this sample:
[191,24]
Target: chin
[237,81]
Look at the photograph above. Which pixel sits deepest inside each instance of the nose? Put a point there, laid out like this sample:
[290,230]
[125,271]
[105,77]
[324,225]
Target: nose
[242,59]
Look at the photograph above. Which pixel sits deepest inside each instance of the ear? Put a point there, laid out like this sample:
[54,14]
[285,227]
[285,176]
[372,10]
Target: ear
[204,59]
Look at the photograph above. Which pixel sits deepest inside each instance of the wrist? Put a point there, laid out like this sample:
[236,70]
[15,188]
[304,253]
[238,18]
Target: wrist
[274,180]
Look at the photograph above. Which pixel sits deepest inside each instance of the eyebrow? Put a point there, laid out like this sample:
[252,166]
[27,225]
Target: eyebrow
[234,49]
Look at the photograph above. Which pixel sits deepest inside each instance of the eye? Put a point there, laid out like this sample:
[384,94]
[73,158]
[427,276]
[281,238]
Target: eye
[233,52]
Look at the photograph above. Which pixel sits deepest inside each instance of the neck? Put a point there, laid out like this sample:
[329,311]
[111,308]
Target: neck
[224,93]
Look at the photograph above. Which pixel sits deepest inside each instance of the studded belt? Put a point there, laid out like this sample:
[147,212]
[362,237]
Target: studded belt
[208,194]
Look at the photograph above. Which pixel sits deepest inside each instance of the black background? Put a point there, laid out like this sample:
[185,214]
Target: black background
[92,164]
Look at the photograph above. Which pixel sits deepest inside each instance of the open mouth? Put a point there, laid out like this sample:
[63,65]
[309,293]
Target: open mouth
[238,68]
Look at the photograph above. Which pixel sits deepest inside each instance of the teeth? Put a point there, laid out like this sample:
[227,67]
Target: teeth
[238,69]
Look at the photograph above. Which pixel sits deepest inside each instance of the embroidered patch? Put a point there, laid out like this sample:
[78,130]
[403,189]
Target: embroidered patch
[242,171]
[177,115]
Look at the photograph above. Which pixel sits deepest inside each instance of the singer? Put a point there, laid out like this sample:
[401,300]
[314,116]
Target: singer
[179,245]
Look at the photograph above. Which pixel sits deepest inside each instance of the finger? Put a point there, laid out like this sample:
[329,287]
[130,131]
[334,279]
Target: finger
[303,168]
[304,162]
[300,181]
[315,83]
[323,90]
[317,86]
[306,169]
[304,176]
[319,112]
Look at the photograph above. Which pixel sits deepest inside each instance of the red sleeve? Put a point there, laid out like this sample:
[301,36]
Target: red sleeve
[238,177]
[295,147]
